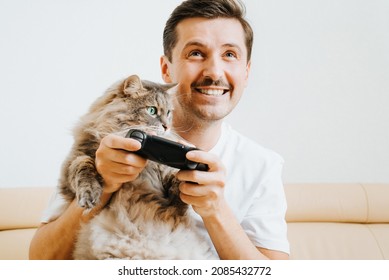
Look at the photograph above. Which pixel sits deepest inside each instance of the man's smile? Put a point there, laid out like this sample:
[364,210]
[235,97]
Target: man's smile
[212,91]
[210,87]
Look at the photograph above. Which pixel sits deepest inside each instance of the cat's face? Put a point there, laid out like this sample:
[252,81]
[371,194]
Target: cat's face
[152,105]
[142,104]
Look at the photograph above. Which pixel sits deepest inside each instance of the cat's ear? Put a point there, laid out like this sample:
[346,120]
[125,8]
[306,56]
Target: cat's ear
[170,88]
[132,84]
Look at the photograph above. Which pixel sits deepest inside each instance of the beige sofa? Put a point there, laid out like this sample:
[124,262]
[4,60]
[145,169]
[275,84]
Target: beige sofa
[325,221]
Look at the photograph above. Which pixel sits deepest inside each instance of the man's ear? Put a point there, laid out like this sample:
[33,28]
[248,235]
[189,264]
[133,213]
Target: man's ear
[248,67]
[164,63]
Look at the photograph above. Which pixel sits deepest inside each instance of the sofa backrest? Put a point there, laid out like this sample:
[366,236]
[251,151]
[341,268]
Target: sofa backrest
[338,221]
[22,208]
[348,203]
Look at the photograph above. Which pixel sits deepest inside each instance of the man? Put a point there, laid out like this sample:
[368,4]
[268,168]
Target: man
[239,203]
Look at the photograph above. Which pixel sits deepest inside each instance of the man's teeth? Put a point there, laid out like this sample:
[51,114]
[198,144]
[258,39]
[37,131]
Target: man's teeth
[215,92]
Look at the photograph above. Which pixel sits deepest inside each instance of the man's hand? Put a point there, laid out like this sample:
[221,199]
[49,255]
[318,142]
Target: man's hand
[114,162]
[203,190]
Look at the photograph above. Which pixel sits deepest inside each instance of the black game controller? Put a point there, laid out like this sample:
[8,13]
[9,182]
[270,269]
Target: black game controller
[165,151]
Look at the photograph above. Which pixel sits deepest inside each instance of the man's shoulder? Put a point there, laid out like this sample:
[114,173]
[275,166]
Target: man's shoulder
[248,148]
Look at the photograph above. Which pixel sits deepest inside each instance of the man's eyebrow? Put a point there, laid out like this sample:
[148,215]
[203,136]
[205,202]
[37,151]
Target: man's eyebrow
[194,43]
[232,45]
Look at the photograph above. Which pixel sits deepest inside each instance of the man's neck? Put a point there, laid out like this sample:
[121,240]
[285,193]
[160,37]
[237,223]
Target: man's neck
[203,135]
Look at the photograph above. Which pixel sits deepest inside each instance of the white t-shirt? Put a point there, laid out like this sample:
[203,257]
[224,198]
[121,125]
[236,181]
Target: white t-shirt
[253,190]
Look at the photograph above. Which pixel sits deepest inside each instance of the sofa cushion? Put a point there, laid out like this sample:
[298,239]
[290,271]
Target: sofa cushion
[338,241]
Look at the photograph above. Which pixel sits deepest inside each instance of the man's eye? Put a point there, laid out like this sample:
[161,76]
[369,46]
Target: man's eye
[230,55]
[195,54]
[152,111]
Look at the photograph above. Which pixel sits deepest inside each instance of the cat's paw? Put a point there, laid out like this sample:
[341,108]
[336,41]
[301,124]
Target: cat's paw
[89,196]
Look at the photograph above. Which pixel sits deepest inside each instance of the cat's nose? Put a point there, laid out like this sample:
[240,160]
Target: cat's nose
[165,127]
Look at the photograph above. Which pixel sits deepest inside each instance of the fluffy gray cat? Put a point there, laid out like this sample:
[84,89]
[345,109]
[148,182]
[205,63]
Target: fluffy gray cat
[145,219]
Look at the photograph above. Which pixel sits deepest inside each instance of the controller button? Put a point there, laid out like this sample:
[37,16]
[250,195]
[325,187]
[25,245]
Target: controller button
[137,135]
[191,165]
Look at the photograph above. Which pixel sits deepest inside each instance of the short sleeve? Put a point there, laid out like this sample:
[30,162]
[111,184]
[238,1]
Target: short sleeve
[56,206]
[264,222]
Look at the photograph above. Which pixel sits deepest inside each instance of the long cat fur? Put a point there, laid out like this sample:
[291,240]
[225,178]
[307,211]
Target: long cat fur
[145,219]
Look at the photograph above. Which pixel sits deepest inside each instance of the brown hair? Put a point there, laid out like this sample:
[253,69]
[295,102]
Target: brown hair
[209,9]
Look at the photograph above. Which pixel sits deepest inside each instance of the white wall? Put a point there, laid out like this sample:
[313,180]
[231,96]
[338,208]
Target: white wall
[318,92]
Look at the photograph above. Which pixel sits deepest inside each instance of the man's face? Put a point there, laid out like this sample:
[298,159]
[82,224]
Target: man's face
[210,64]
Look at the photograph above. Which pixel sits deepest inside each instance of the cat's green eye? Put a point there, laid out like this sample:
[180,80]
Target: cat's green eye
[152,111]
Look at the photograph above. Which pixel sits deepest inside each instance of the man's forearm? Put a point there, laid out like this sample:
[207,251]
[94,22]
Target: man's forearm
[230,240]
[228,237]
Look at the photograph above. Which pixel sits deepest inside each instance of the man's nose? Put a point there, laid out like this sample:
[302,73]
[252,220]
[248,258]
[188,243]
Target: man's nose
[213,68]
